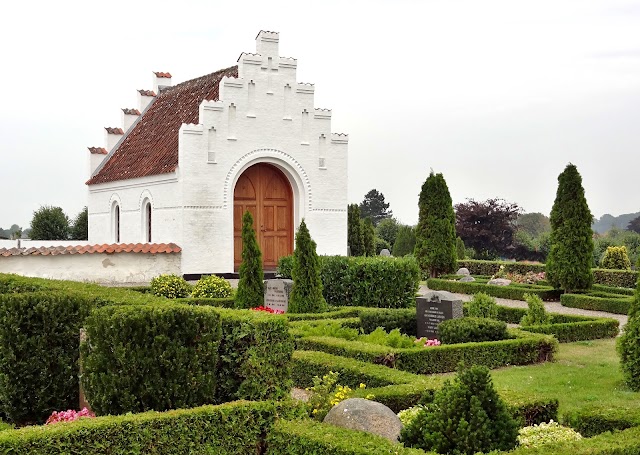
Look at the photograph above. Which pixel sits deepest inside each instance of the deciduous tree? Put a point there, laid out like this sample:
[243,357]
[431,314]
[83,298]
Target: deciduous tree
[49,223]
[634,225]
[80,226]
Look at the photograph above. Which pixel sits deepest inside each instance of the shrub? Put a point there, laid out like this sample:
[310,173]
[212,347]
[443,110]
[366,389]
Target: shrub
[488,268]
[616,278]
[306,293]
[629,345]
[482,306]
[368,235]
[170,286]
[284,267]
[251,284]
[616,258]
[468,416]
[618,305]
[381,244]
[212,287]
[514,291]
[536,313]
[393,339]
[546,433]
[405,241]
[68,416]
[326,393]
[355,239]
[461,251]
[467,330]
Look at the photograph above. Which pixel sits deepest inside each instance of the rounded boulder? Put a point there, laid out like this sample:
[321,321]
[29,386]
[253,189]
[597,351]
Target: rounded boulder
[366,415]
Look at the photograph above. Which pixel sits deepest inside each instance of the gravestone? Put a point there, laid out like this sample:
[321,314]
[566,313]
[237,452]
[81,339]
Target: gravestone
[433,308]
[276,294]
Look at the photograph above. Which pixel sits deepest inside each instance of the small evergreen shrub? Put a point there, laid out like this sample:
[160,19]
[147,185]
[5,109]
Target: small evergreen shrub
[170,286]
[251,284]
[546,433]
[482,306]
[306,293]
[393,339]
[212,287]
[355,237]
[368,237]
[284,267]
[629,345]
[471,330]
[616,258]
[536,313]
[461,251]
[616,278]
[467,416]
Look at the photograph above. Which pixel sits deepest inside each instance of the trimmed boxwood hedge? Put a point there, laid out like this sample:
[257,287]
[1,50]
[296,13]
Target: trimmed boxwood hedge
[617,305]
[236,428]
[616,278]
[514,291]
[488,268]
[576,328]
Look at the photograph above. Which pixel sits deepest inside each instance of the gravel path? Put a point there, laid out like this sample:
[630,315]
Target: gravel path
[552,307]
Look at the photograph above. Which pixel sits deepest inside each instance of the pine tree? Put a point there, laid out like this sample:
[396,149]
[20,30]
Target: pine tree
[436,232]
[569,262]
[354,235]
[251,284]
[306,293]
[368,236]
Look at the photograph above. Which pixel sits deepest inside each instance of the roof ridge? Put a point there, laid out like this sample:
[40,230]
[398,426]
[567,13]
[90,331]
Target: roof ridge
[173,87]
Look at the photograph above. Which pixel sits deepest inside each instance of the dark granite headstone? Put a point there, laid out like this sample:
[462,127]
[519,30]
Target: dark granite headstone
[433,308]
[276,294]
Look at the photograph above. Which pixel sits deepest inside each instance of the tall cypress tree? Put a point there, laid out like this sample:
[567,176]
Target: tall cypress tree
[354,233]
[368,237]
[306,293]
[436,231]
[251,285]
[569,262]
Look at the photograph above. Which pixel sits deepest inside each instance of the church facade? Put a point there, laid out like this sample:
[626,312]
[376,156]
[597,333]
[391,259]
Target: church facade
[194,157]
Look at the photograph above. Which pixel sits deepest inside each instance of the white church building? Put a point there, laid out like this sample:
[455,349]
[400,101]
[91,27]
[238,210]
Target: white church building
[193,157]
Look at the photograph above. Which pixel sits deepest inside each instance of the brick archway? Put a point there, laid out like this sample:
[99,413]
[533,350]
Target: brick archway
[263,190]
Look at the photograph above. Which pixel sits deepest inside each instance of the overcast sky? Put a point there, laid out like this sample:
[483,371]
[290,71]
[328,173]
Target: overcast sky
[498,96]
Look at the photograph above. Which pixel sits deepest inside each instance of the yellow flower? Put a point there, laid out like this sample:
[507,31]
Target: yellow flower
[363,385]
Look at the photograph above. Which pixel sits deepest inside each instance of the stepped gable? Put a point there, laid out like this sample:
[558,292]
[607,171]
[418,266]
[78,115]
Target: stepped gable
[151,147]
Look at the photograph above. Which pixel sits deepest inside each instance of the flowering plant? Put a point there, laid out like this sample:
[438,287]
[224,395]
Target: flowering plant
[68,415]
[326,393]
[426,342]
[266,309]
[528,278]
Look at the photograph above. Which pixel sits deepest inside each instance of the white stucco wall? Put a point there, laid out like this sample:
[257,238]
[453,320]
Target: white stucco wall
[94,267]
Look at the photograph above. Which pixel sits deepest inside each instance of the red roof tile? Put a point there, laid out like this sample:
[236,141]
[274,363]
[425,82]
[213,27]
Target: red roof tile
[147,92]
[131,111]
[152,248]
[98,150]
[162,75]
[151,147]
[114,130]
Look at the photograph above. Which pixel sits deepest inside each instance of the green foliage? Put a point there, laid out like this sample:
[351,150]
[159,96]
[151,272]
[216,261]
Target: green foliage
[306,293]
[326,393]
[212,287]
[629,345]
[461,251]
[536,313]
[616,257]
[435,247]
[393,339]
[616,278]
[381,244]
[170,286]
[568,265]
[471,330]
[403,319]
[546,433]
[488,268]
[617,304]
[251,284]
[368,235]
[355,238]
[79,229]
[284,267]
[387,229]
[324,328]
[147,357]
[49,223]
[514,291]
[482,306]
[468,416]
[533,224]
[374,207]
[39,346]
[405,241]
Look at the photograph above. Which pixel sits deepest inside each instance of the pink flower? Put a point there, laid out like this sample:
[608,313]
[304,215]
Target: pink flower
[68,415]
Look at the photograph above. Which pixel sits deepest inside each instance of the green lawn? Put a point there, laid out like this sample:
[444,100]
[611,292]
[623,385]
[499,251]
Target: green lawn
[585,375]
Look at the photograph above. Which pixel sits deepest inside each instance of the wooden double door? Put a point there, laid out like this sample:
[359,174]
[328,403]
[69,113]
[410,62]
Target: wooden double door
[265,192]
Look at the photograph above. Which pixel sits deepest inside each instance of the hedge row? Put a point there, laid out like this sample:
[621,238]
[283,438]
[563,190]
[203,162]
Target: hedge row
[618,305]
[478,267]
[513,291]
[589,424]
[230,428]
[369,282]
[616,278]
[525,348]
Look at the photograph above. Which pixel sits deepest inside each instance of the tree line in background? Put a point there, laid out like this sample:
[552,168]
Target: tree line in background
[51,223]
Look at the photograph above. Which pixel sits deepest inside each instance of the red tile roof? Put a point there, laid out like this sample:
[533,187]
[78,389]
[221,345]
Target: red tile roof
[98,150]
[131,111]
[151,147]
[147,92]
[162,75]
[114,130]
[149,248]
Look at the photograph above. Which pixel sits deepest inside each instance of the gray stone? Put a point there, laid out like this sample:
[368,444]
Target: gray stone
[467,279]
[463,271]
[433,308]
[276,294]
[499,282]
[385,253]
[366,415]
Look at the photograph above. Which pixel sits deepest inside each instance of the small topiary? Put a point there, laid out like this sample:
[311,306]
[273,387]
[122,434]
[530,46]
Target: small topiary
[212,287]
[467,416]
[306,292]
[483,306]
[615,257]
[468,330]
[170,286]
[536,314]
[546,433]
[251,284]
[629,345]
[461,251]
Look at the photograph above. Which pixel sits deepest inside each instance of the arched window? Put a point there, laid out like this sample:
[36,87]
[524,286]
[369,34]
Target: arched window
[116,223]
[147,222]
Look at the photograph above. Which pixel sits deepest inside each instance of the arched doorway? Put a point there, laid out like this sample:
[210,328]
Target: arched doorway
[264,191]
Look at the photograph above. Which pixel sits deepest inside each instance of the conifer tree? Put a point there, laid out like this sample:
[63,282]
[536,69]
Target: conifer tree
[436,232]
[251,284]
[569,262]
[461,251]
[405,241]
[629,345]
[354,234]
[306,293]
[368,236]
